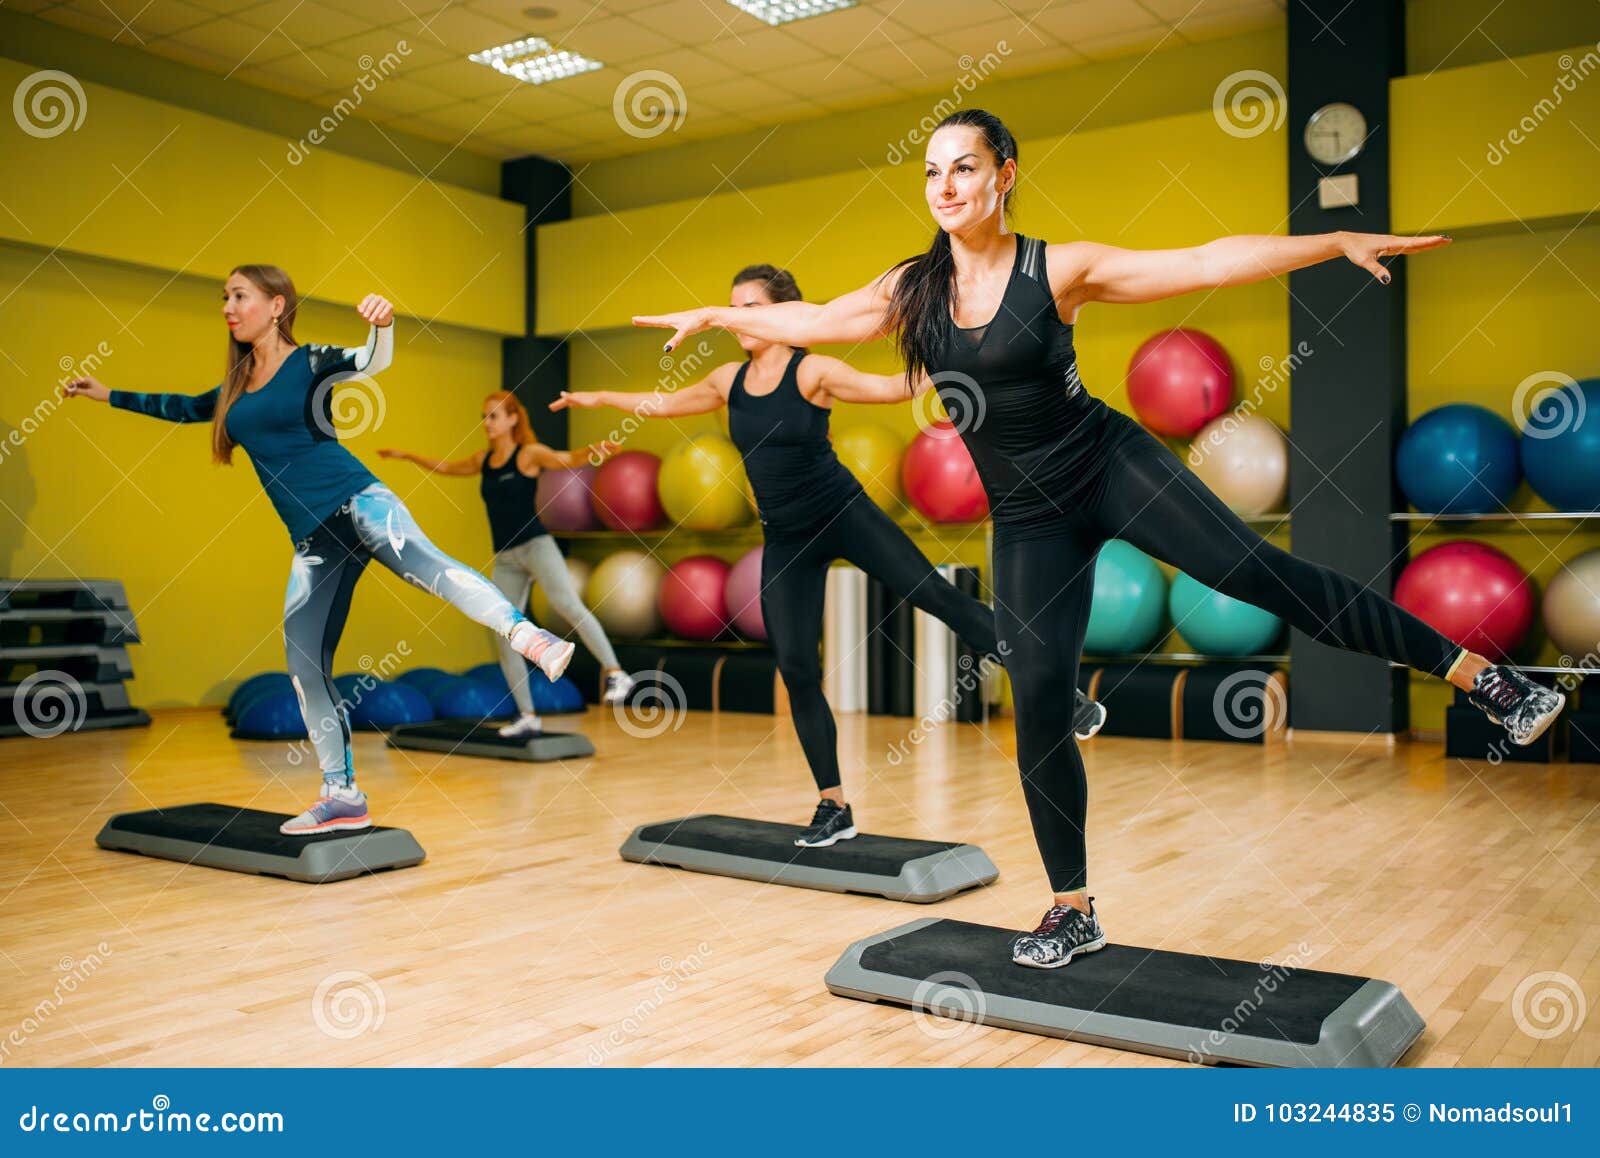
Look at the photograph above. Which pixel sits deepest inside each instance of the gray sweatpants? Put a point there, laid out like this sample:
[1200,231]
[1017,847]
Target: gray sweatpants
[518,568]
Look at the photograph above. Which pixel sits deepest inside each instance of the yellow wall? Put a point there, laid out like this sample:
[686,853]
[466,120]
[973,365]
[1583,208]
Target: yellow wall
[90,270]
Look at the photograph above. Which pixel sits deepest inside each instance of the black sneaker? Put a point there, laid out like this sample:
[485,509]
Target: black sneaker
[829,824]
[1061,936]
[1088,716]
[1510,698]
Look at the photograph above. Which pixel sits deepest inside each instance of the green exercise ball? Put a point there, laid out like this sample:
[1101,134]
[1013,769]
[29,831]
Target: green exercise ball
[1216,624]
[1130,595]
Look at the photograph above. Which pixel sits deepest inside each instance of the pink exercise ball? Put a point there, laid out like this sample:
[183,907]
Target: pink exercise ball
[564,501]
[1179,380]
[625,492]
[1474,594]
[692,599]
[743,596]
[940,478]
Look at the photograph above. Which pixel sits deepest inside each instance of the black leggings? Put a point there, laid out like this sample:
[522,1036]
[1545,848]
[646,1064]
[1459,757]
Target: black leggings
[794,570]
[1042,592]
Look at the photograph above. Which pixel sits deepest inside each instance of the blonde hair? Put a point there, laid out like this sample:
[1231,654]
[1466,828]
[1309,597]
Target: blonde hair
[273,282]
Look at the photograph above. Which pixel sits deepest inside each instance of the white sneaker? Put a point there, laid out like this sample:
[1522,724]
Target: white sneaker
[618,684]
[526,725]
[547,651]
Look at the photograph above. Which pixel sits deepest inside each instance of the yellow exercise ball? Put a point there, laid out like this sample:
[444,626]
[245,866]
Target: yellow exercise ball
[872,453]
[545,615]
[623,591]
[702,485]
[1244,459]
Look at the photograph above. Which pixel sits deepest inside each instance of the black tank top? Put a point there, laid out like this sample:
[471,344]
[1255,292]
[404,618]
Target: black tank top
[798,480]
[1012,387]
[509,495]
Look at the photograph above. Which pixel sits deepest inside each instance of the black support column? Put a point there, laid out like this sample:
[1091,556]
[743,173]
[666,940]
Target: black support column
[533,368]
[1348,394]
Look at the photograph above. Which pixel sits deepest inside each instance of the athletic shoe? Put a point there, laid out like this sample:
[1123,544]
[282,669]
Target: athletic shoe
[338,808]
[547,651]
[618,684]
[1062,935]
[1088,716]
[1510,698]
[829,825]
[526,725]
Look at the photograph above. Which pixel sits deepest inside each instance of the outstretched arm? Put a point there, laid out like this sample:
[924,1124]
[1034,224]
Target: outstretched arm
[1088,272]
[706,395]
[472,464]
[549,458]
[858,316]
[844,383]
[171,407]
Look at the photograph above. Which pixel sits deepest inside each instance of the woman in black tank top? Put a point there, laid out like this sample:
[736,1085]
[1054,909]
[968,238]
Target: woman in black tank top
[813,511]
[986,317]
[508,472]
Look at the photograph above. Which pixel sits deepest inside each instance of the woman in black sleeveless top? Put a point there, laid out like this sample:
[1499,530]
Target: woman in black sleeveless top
[813,511]
[986,316]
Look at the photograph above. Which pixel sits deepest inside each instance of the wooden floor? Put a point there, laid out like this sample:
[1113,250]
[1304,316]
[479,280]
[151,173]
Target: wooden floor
[524,940]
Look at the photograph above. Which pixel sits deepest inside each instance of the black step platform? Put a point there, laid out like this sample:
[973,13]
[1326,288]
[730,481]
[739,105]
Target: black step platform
[77,594]
[481,738]
[52,628]
[102,706]
[247,840]
[1201,1009]
[921,871]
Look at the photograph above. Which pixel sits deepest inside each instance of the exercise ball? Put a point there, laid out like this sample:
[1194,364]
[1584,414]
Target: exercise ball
[423,678]
[461,698]
[743,596]
[940,478]
[1571,609]
[1561,446]
[275,716]
[389,705]
[625,492]
[1244,459]
[259,684]
[1130,600]
[553,699]
[693,600]
[1472,593]
[547,616]
[1179,380]
[1216,624]
[1458,459]
[564,500]
[622,593]
[703,485]
[872,454]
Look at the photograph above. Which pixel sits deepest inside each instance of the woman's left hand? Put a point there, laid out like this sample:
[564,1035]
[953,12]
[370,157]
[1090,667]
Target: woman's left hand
[1366,248]
[376,310]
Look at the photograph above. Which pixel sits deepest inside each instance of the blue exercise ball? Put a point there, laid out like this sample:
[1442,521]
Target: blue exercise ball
[554,698]
[271,717]
[423,678]
[389,705]
[260,684]
[353,686]
[461,698]
[1216,624]
[1459,459]
[1561,446]
[1130,595]
[491,674]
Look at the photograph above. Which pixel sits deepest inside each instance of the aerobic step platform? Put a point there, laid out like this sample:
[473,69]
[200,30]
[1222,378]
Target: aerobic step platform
[921,871]
[481,738]
[1201,1009]
[246,840]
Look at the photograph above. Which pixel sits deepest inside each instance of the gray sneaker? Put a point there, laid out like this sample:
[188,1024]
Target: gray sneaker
[1088,716]
[337,809]
[1511,699]
[1062,935]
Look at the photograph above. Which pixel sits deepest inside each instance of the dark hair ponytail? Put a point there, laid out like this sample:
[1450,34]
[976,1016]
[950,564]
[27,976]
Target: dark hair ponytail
[779,284]
[920,306]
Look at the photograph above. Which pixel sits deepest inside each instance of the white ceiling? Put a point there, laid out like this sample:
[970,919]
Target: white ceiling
[735,73]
